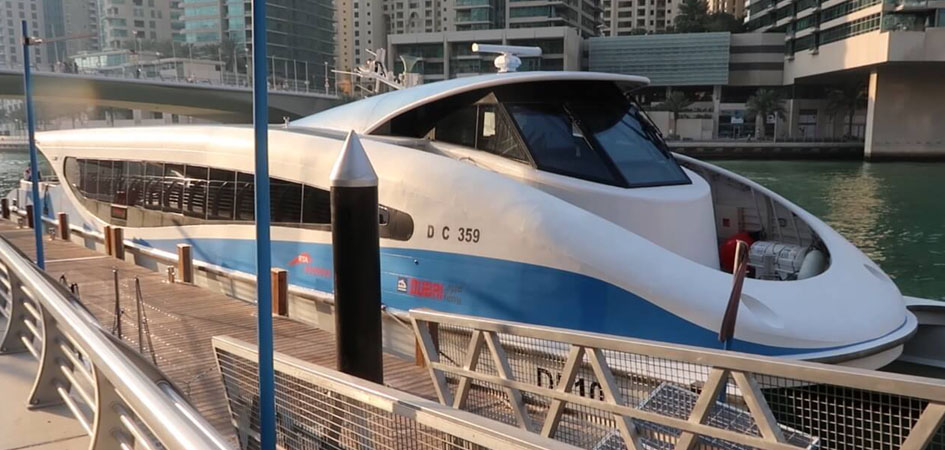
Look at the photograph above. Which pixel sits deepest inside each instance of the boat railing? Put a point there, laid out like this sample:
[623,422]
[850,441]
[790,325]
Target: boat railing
[120,399]
[601,391]
[319,407]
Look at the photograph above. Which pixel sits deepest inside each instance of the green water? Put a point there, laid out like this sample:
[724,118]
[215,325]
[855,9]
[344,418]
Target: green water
[894,212]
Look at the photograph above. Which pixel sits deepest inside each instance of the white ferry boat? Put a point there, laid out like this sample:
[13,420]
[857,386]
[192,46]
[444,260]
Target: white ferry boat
[541,197]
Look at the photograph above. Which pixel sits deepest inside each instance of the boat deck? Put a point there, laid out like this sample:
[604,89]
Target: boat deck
[183,318]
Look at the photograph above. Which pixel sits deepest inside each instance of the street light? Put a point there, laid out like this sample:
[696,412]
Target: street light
[31,133]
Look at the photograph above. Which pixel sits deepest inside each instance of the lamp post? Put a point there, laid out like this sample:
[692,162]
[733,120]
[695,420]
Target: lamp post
[267,401]
[31,136]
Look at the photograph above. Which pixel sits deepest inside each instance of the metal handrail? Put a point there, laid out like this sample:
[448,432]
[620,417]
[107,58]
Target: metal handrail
[116,378]
[885,382]
[347,389]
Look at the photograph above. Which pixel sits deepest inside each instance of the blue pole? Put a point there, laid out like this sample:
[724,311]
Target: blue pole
[267,398]
[34,165]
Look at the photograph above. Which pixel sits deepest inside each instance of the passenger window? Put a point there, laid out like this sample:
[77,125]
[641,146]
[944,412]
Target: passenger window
[286,201]
[173,188]
[195,192]
[136,182]
[222,193]
[73,173]
[316,205]
[245,197]
[103,188]
[119,183]
[459,127]
[497,135]
[153,185]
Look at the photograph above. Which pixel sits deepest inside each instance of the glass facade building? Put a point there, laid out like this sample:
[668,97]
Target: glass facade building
[300,37]
[809,24]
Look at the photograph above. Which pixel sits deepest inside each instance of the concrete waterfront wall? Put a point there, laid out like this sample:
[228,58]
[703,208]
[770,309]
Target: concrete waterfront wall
[906,118]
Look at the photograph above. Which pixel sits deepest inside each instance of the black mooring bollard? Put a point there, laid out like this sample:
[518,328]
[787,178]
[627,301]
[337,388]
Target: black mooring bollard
[357,264]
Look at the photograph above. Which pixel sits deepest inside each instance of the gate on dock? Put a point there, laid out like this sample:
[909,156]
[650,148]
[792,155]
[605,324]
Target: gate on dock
[598,391]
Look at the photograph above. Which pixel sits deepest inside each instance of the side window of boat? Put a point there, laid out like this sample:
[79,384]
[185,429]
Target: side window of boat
[458,127]
[153,185]
[484,127]
[135,182]
[497,135]
[173,188]
[119,185]
[221,195]
[210,194]
[316,206]
[195,191]
[285,201]
[72,173]
[245,191]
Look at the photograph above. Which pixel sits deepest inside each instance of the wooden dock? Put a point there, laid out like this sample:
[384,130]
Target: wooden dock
[183,319]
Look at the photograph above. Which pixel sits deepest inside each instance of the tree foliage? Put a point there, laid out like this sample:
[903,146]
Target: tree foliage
[847,99]
[694,17]
[762,104]
[676,102]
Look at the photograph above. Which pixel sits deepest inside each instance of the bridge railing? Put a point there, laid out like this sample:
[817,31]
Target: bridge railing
[320,408]
[119,399]
[600,391]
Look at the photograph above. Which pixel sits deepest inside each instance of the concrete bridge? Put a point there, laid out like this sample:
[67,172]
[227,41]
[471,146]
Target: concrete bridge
[228,104]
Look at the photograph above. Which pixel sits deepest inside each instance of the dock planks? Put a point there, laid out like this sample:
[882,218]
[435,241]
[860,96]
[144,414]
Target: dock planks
[183,319]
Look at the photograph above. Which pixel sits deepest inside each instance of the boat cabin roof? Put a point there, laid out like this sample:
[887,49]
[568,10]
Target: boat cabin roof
[367,115]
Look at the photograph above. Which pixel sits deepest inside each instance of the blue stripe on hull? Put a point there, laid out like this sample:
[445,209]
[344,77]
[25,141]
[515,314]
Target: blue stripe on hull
[485,287]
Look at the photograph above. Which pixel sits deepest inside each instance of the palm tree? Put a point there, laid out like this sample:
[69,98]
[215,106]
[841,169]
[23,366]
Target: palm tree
[762,104]
[846,100]
[675,103]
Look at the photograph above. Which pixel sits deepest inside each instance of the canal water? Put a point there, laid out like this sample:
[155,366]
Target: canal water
[894,212]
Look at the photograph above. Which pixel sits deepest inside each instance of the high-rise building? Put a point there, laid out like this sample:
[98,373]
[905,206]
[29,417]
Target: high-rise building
[300,37]
[203,21]
[583,15]
[444,55]
[366,24]
[75,19]
[417,16]
[11,14]
[627,17]
[124,21]
[733,7]
[361,25]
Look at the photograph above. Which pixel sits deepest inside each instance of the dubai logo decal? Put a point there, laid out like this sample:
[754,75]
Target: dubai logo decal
[304,259]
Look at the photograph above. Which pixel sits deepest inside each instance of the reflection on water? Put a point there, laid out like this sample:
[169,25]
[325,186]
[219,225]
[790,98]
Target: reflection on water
[894,212]
[12,165]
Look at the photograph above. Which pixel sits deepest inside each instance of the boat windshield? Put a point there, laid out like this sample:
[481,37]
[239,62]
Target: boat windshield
[607,142]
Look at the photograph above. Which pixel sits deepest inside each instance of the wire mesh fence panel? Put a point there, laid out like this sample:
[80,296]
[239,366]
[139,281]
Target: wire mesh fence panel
[661,401]
[315,415]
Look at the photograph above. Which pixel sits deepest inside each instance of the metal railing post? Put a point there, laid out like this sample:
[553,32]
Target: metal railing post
[48,380]
[107,422]
[12,341]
